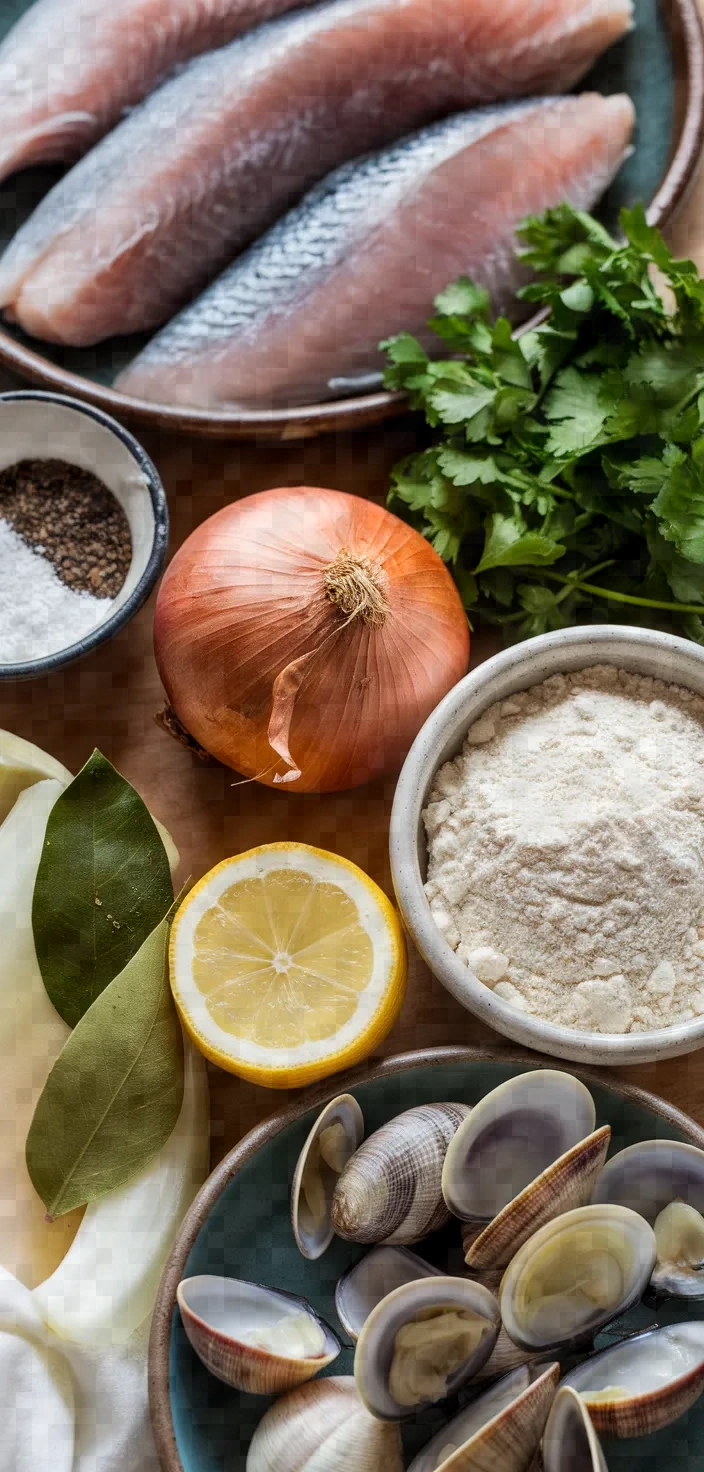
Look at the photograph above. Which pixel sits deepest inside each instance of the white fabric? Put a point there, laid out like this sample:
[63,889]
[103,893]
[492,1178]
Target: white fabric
[64,1408]
[67,1405]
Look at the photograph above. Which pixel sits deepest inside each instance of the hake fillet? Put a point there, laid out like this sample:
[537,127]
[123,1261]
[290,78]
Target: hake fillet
[70,68]
[365,253]
[216,154]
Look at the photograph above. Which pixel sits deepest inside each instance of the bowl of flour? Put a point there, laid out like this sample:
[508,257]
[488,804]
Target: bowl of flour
[547,844]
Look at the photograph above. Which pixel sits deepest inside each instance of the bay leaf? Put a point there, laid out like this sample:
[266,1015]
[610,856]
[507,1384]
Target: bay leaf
[102,886]
[115,1091]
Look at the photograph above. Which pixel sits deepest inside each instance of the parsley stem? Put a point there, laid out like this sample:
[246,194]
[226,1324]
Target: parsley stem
[514,618]
[610,593]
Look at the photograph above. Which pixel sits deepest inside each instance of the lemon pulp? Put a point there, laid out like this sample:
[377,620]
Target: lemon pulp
[287,964]
[282,959]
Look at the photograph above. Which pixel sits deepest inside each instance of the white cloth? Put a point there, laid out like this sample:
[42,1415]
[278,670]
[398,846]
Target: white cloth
[64,1408]
[66,1404]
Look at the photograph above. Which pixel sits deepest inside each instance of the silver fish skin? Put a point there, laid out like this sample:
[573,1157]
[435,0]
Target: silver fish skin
[70,68]
[364,254]
[216,154]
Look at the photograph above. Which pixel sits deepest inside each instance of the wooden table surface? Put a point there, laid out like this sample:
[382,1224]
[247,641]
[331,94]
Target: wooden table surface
[110,698]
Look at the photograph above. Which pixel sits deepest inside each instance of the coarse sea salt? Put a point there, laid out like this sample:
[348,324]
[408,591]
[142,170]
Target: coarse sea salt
[39,615]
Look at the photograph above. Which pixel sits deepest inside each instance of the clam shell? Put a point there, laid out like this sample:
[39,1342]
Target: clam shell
[376,1344]
[377,1274]
[679,1240]
[498,1432]
[511,1136]
[506,1356]
[313,1237]
[218,1313]
[566,1184]
[391,1191]
[649,1177]
[575,1275]
[639,1367]
[324,1426]
[570,1443]
[651,1174]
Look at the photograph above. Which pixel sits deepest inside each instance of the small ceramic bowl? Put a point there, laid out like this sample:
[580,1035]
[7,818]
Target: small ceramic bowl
[644,651]
[49,426]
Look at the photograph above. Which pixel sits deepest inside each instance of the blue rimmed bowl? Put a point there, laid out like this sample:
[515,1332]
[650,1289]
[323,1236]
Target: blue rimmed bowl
[239,1226]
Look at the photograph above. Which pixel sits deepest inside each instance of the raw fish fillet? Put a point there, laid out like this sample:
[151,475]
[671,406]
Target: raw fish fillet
[70,68]
[365,253]
[223,148]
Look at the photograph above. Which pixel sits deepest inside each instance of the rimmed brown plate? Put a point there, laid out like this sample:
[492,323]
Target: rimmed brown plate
[660,63]
[239,1226]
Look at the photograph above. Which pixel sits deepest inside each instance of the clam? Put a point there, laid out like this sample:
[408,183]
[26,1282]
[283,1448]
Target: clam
[335,1136]
[391,1190]
[422,1342]
[570,1443]
[578,1272]
[363,1286]
[257,1339]
[510,1138]
[324,1426]
[664,1181]
[679,1241]
[563,1186]
[644,1383]
[498,1432]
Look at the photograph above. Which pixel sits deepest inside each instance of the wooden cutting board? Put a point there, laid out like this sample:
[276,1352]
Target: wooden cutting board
[109,700]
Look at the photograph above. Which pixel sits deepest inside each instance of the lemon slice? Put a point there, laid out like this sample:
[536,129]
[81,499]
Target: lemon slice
[287,964]
[21,766]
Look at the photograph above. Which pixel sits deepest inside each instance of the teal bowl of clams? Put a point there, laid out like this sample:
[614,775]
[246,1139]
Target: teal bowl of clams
[455,1261]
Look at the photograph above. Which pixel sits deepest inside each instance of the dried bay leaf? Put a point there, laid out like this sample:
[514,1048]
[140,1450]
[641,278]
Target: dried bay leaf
[115,1092]
[102,886]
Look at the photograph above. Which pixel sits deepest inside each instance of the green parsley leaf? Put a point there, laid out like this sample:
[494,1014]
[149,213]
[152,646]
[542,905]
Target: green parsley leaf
[575,411]
[510,544]
[579,441]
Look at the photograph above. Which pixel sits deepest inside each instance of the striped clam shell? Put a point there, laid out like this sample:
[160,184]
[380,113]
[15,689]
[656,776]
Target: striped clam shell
[497,1432]
[640,1385]
[391,1190]
[566,1184]
[324,1425]
[570,1443]
[219,1314]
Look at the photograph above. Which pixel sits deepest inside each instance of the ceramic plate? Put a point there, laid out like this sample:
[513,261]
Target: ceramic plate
[239,1226]
[660,64]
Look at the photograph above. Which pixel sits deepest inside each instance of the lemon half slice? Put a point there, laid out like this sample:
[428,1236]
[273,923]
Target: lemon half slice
[287,964]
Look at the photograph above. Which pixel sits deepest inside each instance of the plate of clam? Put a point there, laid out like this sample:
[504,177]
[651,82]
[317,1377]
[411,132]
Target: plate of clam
[450,1264]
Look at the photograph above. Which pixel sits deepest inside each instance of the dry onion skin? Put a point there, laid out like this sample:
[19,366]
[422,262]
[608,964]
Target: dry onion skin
[304,635]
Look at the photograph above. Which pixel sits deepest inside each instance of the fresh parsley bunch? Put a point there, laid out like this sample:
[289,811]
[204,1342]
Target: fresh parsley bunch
[565,480]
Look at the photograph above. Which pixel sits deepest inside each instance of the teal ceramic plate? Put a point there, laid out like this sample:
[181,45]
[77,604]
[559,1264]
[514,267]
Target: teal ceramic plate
[239,1226]
[660,64]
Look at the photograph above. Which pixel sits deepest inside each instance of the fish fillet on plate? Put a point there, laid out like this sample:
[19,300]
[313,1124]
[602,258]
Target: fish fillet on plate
[365,253]
[69,68]
[216,154]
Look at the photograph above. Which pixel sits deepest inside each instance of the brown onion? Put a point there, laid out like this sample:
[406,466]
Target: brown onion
[304,636]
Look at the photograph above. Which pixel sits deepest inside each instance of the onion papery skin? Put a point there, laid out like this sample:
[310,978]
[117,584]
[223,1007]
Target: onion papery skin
[244,597]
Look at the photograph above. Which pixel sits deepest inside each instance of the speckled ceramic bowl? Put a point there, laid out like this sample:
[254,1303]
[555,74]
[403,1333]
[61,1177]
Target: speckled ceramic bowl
[35,425]
[643,651]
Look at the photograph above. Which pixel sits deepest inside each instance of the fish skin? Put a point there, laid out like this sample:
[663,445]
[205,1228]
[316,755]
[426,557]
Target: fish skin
[223,148]
[362,257]
[70,68]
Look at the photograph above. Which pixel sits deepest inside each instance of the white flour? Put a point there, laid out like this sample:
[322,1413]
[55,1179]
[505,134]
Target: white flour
[566,851]
[38,613]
